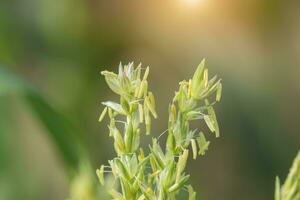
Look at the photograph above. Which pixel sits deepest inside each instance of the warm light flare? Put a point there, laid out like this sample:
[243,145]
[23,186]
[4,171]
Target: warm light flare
[192,2]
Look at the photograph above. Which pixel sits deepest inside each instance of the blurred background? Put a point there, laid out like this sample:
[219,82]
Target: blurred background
[51,53]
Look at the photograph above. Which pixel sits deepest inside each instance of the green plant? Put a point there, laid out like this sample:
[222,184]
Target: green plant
[160,174]
[290,190]
[62,132]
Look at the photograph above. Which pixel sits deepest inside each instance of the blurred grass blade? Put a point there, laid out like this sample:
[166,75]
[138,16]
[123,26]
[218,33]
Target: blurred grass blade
[10,83]
[59,128]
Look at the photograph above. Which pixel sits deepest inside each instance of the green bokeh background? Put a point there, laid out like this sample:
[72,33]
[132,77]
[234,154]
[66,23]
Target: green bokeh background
[55,49]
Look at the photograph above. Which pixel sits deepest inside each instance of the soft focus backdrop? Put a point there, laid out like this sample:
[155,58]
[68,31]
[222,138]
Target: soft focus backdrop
[58,47]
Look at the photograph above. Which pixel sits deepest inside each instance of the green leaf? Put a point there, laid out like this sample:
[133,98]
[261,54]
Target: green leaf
[291,187]
[121,169]
[146,74]
[137,72]
[62,132]
[219,92]
[197,79]
[112,81]
[11,84]
[115,106]
[60,129]
[179,184]
[277,189]
[121,71]
[205,78]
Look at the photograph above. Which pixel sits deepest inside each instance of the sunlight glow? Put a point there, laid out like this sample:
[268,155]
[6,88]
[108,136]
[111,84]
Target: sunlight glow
[191,2]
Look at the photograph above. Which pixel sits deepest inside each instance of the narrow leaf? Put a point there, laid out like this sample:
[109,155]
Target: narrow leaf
[197,79]
[146,74]
[277,189]
[219,92]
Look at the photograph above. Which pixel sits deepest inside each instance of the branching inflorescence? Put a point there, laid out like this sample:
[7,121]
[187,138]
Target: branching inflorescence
[159,174]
